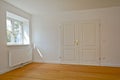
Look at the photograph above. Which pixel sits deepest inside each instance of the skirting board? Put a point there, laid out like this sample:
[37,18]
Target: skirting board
[10,69]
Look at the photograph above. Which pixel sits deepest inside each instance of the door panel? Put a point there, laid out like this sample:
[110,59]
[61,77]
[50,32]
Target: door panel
[89,32]
[69,52]
[81,43]
[69,35]
[90,44]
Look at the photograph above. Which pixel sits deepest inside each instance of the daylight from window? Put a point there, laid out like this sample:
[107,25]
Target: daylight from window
[17,30]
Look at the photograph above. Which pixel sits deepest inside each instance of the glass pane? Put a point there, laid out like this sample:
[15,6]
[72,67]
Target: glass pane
[9,30]
[17,30]
[9,25]
[26,33]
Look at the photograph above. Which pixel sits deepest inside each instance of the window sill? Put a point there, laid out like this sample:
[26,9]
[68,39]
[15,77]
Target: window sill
[18,45]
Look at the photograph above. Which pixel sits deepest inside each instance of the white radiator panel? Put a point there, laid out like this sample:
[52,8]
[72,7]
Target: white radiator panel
[19,56]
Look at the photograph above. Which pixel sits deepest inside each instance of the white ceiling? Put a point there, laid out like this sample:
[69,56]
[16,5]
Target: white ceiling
[41,6]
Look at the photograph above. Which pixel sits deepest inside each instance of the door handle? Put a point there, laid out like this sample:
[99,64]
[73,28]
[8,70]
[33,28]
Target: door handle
[77,42]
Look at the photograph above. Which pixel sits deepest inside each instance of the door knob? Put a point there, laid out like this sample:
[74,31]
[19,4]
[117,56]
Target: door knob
[77,42]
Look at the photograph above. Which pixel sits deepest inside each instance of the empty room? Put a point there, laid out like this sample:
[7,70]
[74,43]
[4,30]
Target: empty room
[59,39]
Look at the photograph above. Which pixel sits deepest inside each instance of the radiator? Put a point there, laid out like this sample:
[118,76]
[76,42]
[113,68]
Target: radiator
[19,56]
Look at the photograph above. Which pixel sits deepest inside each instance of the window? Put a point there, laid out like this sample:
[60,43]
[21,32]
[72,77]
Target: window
[17,30]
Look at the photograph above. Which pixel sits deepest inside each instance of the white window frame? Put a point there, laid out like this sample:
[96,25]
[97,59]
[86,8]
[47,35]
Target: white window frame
[23,21]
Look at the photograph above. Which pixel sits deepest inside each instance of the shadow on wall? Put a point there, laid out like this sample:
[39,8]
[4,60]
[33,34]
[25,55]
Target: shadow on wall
[37,54]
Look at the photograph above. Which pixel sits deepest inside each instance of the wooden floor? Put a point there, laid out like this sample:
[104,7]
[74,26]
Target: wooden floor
[37,71]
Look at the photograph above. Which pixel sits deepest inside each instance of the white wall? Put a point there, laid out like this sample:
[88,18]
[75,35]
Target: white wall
[46,33]
[3,47]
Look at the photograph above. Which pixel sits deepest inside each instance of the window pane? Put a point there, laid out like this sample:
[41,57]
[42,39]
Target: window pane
[17,32]
[14,31]
[9,30]
[9,25]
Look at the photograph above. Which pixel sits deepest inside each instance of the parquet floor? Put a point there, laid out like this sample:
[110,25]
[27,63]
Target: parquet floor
[40,71]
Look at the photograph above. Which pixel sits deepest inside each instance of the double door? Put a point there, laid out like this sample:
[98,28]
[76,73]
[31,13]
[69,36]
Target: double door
[80,43]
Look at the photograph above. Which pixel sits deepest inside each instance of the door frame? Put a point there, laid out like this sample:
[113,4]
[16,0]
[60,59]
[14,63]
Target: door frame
[76,22]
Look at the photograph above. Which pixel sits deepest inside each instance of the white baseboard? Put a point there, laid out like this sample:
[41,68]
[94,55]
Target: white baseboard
[47,61]
[2,71]
[111,65]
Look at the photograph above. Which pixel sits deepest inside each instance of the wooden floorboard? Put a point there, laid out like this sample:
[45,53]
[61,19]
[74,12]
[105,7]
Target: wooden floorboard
[40,71]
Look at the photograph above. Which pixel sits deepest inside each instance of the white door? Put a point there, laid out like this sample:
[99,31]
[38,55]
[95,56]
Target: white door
[80,43]
[68,45]
[89,43]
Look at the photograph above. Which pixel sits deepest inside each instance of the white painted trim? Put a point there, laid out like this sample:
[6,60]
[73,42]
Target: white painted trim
[96,21]
[12,68]
[61,43]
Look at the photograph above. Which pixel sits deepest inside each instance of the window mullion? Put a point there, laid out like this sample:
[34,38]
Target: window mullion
[12,21]
[22,33]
